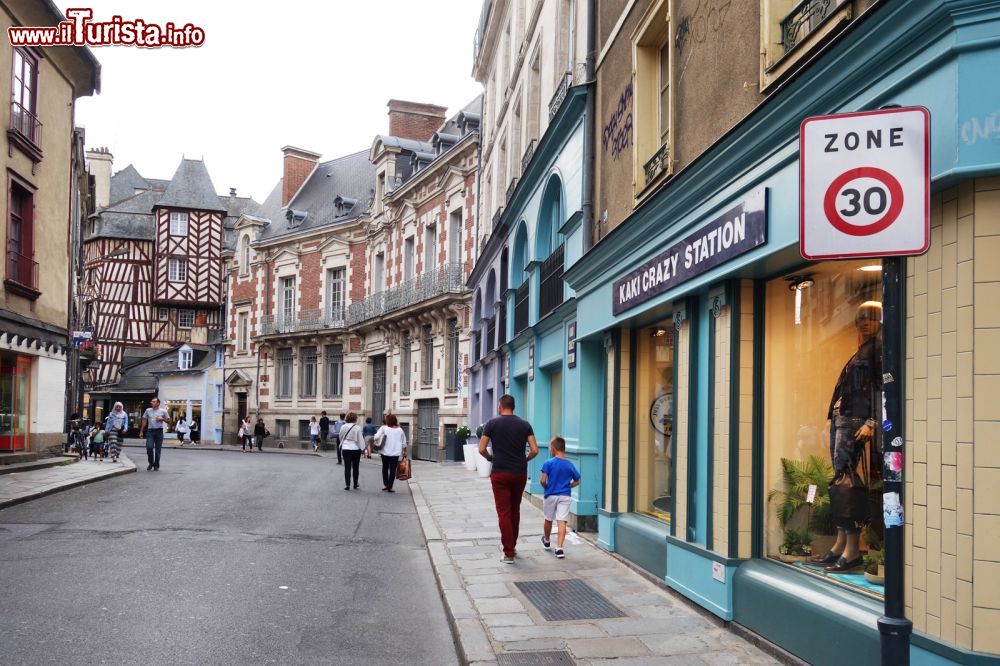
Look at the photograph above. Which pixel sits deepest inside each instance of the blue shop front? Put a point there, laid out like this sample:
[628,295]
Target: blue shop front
[728,370]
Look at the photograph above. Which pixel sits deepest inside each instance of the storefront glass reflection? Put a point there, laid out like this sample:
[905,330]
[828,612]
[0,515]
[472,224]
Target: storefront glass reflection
[14,392]
[654,419]
[823,455]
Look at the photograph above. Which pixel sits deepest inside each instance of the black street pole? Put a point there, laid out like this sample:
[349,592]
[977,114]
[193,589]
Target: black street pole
[893,626]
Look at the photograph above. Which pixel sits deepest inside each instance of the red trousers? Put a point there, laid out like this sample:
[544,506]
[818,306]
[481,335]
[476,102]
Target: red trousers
[507,490]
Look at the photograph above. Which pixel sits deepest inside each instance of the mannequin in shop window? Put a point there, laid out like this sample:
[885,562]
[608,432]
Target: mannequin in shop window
[852,413]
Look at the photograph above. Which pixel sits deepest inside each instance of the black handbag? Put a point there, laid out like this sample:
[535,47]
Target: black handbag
[849,494]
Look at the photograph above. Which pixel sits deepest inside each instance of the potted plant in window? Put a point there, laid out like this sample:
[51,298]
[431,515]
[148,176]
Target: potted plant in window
[875,567]
[793,501]
[797,546]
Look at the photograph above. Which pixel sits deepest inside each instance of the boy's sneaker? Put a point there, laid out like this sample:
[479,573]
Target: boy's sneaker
[507,560]
[546,544]
[559,553]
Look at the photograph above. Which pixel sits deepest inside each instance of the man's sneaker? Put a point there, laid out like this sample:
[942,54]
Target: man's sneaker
[559,553]
[507,560]
[546,544]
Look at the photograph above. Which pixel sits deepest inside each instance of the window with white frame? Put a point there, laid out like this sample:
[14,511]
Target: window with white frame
[177,270]
[185,318]
[333,386]
[652,49]
[408,259]
[282,427]
[307,372]
[243,332]
[283,363]
[455,236]
[336,284]
[184,359]
[430,247]
[427,355]
[162,314]
[178,223]
[378,275]
[245,256]
[287,300]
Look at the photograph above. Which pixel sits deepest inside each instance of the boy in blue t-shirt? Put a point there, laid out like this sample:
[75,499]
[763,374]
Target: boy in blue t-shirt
[558,476]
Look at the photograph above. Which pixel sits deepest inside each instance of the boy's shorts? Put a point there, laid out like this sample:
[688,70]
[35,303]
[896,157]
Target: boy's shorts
[556,507]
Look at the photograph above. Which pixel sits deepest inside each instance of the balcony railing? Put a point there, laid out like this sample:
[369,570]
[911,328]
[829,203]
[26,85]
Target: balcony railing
[304,321]
[521,303]
[22,271]
[477,346]
[510,189]
[551,292]
[529,153]
[445,279]
[501,325]
[656,164]
[491,334]
[803,19]
[25,123]
[561,90]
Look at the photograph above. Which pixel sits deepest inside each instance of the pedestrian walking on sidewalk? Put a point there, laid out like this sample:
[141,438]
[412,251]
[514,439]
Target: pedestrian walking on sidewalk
[246,433]
[558,477]
[337,427]
[509,435]
[260,433]
[97,443]
[115,426]
[352,446]
[181,429]
[154,419]
[369,431]
[324,429]
[314,433]
[393,447]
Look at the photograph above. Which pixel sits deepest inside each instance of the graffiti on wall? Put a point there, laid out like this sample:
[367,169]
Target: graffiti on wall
[617,135]
[985,128]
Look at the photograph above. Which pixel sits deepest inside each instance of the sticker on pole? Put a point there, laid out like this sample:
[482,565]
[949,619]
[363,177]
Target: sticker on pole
[864,184]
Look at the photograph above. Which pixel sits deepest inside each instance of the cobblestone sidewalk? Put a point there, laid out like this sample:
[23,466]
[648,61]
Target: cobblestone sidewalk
[20,487]
[496,622]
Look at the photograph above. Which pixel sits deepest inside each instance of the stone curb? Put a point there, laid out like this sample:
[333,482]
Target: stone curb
[231,449]
[472,643]
[76,483]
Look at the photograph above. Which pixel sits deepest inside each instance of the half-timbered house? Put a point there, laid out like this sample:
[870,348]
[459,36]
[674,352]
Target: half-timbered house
[154,269]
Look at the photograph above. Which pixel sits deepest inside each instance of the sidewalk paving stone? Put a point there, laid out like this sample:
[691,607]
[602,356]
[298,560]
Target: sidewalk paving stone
[492,617]
[20,487]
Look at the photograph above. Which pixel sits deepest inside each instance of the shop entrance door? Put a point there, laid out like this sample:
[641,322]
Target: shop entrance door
[378,389]
[426,443]
[15,377]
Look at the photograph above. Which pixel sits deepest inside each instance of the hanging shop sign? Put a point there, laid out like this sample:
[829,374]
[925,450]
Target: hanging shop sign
[735,232]
[571,345]
[864,184]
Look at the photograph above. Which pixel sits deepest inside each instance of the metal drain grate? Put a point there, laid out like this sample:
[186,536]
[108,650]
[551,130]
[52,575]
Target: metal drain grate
[550,658]
[568,600]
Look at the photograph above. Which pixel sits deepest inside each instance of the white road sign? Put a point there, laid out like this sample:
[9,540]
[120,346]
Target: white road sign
[864,184]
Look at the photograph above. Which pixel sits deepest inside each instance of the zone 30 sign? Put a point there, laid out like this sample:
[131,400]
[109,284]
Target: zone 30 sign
[864,184]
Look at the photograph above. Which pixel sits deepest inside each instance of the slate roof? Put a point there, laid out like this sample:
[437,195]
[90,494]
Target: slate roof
[349,177]
[191,187]
[130,218]
[125,183]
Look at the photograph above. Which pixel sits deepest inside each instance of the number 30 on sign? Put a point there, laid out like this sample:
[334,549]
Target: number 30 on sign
[864,184]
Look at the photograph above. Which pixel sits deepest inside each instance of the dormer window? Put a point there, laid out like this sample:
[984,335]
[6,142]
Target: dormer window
[295,217]
[185,358]
[468,122]
[178,223]
[442,141]
[344,205]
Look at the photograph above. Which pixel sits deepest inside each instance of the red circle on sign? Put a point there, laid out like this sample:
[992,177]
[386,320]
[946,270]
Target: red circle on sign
[883,223]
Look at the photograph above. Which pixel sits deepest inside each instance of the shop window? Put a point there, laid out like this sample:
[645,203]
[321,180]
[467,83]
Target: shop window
[653,113]
[822,387]
[654,420]
[15,378]
[334,371]
[283,360]
[308,372]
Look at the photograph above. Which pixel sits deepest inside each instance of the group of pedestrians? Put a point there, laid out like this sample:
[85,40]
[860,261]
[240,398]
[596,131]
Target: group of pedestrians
[102,440]
[251,433]
[389,441]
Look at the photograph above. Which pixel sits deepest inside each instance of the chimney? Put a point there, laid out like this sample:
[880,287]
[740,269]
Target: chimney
[299,164]
[232,192]
[413,120]
[99,163]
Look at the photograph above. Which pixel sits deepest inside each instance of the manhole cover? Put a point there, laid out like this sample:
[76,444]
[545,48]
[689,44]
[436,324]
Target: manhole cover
[551,658]
[568,600]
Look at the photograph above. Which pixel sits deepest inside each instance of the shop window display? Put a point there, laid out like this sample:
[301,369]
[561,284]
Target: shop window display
[14,382]
[654,419]
[823,461]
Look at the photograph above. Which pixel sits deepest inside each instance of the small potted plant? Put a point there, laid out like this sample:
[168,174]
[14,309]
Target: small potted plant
[875,567]
[463,434]
[797,546]
[792,501]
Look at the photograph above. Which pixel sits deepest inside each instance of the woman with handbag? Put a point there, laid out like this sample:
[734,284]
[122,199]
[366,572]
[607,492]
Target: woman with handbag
[853,407]
[391,440]
[115,427]
[246,433]
[352,446]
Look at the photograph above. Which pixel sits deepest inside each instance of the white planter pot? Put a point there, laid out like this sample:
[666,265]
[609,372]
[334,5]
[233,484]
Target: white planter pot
[483,466]
[471,451]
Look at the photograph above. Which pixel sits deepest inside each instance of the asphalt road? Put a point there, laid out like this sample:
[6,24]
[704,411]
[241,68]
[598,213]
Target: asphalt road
[221,558]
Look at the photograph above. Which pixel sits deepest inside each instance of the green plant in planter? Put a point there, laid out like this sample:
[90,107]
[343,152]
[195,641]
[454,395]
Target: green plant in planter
[797,543]
[798,476]
[479,430]
[462,432]
[873,560]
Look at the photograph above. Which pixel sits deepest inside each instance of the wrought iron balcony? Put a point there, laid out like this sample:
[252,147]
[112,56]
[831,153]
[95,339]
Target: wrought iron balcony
[495,222]
[522,302]
[551,292]
[529,153]
[656,164]
[560,95]
[22,274]
[803,19]
[445,279]
[26,124]
[303,322]
[510,189]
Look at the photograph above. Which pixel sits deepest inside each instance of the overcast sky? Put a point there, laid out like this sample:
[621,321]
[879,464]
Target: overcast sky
[316,75]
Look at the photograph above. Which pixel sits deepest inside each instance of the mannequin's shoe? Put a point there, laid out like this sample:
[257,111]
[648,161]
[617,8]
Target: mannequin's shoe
[843,566]
[830,558]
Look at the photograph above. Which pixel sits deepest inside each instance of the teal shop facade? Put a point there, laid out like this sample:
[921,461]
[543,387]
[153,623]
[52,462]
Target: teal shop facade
[713,385]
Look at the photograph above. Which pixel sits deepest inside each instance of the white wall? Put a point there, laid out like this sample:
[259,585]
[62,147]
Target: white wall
[48,395]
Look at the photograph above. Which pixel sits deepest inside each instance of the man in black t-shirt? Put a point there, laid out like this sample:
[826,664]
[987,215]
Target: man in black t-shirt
[509,435]
[324,428]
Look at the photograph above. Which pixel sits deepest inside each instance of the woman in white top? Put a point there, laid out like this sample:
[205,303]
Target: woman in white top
[314,433]
[352,445]
[393,448]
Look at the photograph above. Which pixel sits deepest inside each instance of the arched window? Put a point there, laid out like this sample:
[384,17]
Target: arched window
[550,220]
[489,313]
[519,278]
[477,332]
